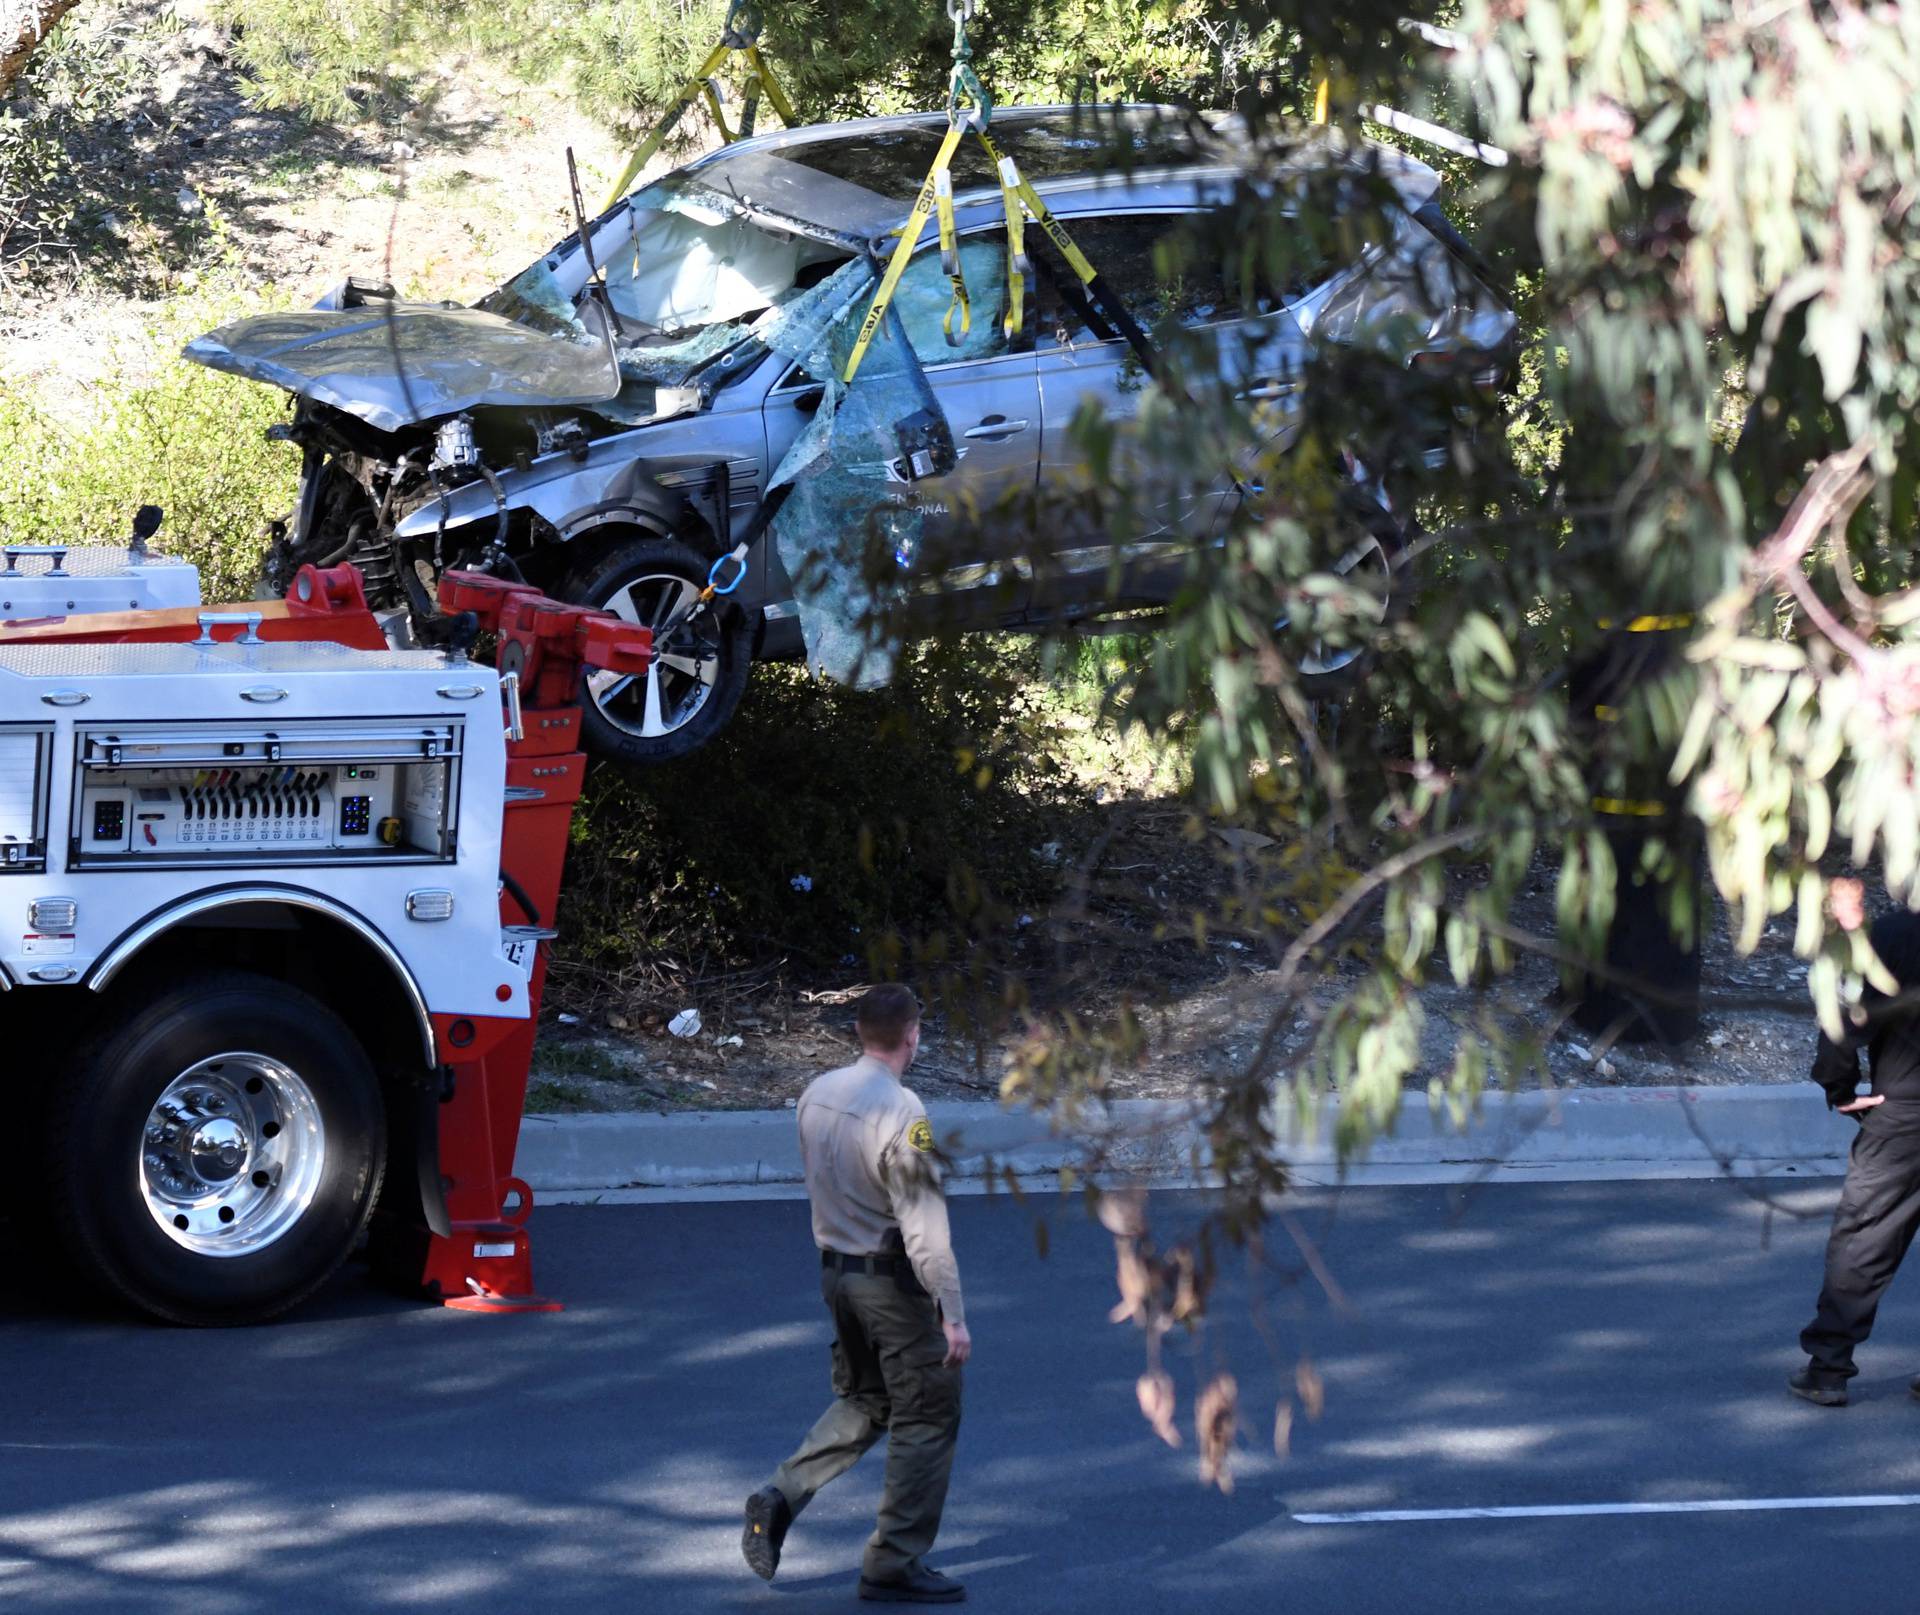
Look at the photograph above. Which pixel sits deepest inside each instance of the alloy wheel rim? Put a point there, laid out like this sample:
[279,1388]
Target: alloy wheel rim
[1366,562]
[681,677]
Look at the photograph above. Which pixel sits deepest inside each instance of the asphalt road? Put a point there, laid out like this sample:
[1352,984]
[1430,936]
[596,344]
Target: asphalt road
[1550,1345]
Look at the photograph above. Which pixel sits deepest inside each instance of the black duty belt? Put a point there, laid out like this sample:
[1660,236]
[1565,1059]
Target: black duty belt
[881,1267]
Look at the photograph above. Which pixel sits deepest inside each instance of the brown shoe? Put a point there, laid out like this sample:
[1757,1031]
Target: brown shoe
[767,1520]
[917,1586]
[1824,1390]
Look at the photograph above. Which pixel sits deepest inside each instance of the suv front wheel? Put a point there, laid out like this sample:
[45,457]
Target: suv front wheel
[701,657]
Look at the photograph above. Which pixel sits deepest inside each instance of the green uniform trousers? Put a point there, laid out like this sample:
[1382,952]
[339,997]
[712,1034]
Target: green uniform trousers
[889,1375]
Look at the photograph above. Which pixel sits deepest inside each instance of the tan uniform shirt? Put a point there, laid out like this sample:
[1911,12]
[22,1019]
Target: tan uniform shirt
[867,1150]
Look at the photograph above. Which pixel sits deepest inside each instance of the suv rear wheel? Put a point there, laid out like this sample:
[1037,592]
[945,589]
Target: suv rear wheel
[1327,667]
[701,661]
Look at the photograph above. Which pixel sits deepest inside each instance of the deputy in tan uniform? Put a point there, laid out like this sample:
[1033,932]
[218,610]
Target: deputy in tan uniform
[900,1332]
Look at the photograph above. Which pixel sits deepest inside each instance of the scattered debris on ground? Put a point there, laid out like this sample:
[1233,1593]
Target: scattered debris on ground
[764,1033]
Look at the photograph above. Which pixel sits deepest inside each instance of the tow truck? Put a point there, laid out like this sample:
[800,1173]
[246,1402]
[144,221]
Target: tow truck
[276,895]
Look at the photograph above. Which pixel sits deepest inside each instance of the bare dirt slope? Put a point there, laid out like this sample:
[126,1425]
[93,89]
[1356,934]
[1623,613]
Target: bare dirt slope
[188,183]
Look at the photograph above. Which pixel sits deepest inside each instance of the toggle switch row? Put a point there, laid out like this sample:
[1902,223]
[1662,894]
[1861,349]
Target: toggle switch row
[283,794]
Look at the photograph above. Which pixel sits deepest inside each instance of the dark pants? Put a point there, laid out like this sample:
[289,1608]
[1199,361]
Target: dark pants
[889,1375]
[1873,1225]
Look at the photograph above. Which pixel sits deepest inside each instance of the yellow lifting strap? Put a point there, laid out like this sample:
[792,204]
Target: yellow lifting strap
[742,34]
[1013,184]
[970,107]
[1020,201]
[760,79]
[950,260]
[694,88]
[1018,268]
[923,205]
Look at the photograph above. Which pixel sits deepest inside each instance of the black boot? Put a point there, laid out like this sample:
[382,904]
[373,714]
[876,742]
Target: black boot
[767,1520]
[1828,1390]
[918,1586]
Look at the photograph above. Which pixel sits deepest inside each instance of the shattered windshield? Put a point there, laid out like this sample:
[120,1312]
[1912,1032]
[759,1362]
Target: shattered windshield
[693,260]
[689,274]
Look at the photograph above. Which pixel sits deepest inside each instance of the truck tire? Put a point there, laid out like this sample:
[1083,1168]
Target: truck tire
[701,675]
[214,1154]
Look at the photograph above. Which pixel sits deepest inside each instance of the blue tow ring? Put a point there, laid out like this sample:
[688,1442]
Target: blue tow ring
[713,574]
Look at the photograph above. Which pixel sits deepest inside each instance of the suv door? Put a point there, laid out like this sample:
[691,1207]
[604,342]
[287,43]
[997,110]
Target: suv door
[1256,355]
[973,560]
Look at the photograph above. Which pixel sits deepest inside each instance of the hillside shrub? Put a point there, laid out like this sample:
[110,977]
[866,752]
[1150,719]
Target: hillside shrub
[826,824]
[181,437]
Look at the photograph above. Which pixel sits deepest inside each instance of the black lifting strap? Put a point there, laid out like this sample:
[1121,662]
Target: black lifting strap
[1095,302]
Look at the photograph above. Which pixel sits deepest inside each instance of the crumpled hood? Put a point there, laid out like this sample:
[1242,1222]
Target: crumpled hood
[394,364]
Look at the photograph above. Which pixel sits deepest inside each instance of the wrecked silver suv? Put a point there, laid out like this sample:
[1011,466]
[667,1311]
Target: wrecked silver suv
[611,421]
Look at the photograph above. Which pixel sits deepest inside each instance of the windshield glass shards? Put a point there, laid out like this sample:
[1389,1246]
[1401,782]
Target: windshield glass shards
[841,485]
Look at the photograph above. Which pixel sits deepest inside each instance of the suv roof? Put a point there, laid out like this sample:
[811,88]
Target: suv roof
[892,155]
[856,180]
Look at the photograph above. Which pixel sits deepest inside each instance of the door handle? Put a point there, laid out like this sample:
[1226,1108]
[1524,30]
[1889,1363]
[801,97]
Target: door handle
[995,427]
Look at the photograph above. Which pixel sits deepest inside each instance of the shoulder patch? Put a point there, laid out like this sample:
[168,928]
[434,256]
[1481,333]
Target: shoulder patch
[920,1136]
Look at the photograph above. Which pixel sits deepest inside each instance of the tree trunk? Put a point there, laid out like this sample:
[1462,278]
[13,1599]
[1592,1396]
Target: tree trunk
[23,24]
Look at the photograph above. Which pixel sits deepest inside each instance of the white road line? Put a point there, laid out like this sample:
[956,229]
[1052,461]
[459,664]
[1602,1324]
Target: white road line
[1561,1511]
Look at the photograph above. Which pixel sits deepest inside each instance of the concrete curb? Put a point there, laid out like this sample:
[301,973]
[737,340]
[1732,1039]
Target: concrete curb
[1622,1132]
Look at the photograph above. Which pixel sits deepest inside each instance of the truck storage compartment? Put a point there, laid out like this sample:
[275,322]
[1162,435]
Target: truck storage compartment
[23,797]
[212,795]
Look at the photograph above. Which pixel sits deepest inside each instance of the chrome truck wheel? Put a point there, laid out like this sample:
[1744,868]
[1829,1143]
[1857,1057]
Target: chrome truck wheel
[232,1154]
[215,1152]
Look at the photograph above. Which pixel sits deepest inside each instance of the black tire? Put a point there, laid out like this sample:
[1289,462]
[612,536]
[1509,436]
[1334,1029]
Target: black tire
[647,578]
[1379,544]
[108,1166]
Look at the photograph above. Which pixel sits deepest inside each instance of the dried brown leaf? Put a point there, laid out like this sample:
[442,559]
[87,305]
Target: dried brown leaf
[1136,1285]
[1155,1390]
[1123,1212]
[1190,1286]
[1312,1389]
[1215,1420]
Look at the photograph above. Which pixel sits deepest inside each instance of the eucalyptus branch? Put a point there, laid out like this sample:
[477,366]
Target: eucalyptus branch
[1827,500]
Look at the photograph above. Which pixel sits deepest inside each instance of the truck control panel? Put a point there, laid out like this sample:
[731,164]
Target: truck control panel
[156,794]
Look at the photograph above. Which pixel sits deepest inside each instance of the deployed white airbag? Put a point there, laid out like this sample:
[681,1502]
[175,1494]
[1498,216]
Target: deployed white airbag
[686,270]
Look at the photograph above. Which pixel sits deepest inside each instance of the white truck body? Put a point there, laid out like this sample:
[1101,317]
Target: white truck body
[53,580]
[252,950]
[138,781]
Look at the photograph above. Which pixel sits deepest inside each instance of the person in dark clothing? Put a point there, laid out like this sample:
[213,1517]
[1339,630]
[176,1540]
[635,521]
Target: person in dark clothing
[1879,1208]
